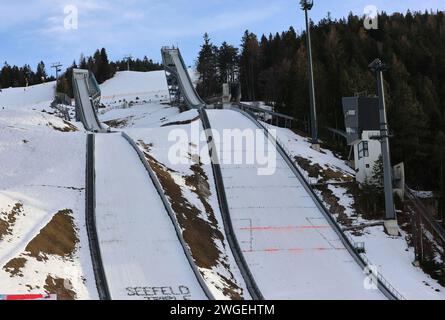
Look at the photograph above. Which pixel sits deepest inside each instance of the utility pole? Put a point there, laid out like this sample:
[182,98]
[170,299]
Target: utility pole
[377,66]
[128,58]
[307,5]
[58,67]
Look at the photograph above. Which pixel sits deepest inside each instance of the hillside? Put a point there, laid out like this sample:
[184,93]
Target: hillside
[22,97]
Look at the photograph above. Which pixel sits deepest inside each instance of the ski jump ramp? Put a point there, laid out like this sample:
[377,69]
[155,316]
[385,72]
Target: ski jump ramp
[142,256]
[137,252]
[175,65]
[291,248]
[87,96]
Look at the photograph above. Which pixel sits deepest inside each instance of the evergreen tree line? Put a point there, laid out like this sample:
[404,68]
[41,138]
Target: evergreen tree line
[103,69]
[273,68]
[98,63]
[13,76]
[216,66]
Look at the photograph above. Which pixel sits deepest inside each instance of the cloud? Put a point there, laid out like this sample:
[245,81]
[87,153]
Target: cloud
[142,26]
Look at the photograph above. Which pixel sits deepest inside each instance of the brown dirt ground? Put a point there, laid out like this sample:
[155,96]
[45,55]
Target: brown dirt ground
[59,286]
[200,235]
[334,207]
[11,216]
[117,123]
[323,175]
[14,267]
[58,237]
[178,123]
[68,127]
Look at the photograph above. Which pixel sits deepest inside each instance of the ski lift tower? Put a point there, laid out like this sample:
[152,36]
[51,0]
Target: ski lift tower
[58,67]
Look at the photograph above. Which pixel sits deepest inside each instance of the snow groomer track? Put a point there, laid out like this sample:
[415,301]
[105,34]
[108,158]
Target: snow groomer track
[288,245]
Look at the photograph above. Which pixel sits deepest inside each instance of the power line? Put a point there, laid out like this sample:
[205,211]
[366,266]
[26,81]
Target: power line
[58,67]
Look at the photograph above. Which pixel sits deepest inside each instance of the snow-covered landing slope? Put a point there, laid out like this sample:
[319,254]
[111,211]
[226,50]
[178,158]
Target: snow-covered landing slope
[132,86]
[44,247]
[142,256]
[146,115]
[292,251]
[392,255]
[21,97]
[189,186]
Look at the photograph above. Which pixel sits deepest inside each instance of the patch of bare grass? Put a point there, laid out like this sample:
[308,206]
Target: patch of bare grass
[15,266]
[61,287]
[117,123]
[199,234]
[58,237]
[322,175]
[8,219]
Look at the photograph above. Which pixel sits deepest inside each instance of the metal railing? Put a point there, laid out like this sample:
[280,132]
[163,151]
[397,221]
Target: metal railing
[437,229]
[172,215]
[90,221]
[385,287]
[238,255]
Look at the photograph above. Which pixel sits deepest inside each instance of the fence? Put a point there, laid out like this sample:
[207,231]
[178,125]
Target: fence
[356,249]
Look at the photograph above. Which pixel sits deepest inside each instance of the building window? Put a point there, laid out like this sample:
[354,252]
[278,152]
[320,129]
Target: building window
[363,150]
[350,130]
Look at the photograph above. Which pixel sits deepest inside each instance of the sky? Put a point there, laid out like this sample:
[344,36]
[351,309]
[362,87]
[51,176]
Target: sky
[31,31]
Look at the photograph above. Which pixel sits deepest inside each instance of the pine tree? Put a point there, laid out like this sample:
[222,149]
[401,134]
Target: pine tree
[83,62]
[40,75]
[103,69]
[208,84]
[227,63]
[249,66]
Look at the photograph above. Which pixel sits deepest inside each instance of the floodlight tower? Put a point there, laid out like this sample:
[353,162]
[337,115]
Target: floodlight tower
[307,5]
[377,66]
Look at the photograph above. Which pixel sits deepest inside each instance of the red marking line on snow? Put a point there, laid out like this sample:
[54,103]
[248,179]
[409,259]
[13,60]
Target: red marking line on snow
[284,229]
[292,250]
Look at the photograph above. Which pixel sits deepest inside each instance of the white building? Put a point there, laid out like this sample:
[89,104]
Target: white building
[366,152]
[362,122]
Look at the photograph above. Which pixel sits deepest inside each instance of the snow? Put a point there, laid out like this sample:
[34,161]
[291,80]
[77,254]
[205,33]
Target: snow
[132,86]
[289,246]
[140,116]
[423,194]
[301,147]
[158,138]
[138,242]
[194,76]
[22,97]
[43,169]
[292,251]
[391,255]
